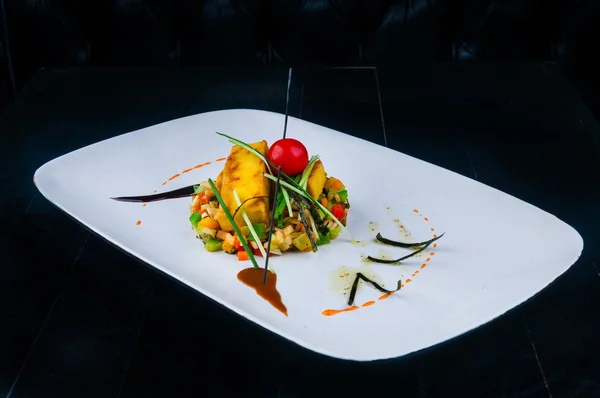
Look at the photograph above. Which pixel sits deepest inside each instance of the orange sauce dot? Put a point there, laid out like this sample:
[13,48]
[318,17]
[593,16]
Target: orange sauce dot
[155,190]
[426,219]
[144,205]
[368,303]
[432,229]
[164,183]
[435,236]
[428,259]
[200,165]
[138,222]
[423,266]
[385,296]
[334,312]
[435,245]
[432,254]
[221,159]
[408,281]
[416,211]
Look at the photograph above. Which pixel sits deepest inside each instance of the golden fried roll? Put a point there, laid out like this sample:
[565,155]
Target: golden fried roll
[244,172]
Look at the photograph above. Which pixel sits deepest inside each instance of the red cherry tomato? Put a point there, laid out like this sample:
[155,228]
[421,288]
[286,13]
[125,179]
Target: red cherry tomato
[290,154]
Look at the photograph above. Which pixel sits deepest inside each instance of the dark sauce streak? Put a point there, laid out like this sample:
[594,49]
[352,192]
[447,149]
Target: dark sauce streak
[253,277]
[175,194]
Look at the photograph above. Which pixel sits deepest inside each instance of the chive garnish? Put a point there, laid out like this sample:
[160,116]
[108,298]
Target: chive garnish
[375,284]
[381,260]
[244,202]
[286,197]
[249,224]
[271,225]
[311,163]
[235,227]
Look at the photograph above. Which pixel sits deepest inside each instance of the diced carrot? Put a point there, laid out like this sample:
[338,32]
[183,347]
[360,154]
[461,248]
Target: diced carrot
[238,245]
[324,202]
[210,223]
[337,184]
[203,199]
[242,255]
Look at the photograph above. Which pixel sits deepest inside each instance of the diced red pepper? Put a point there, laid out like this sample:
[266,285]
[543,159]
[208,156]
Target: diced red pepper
[338,211]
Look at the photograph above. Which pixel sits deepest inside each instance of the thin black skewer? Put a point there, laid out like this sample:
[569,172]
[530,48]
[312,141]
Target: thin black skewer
[271,226]
[287,102]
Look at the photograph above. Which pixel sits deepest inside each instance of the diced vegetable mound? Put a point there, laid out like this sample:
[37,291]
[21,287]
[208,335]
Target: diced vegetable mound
[289,233]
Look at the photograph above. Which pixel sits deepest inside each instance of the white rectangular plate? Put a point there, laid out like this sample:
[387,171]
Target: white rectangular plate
[497,251]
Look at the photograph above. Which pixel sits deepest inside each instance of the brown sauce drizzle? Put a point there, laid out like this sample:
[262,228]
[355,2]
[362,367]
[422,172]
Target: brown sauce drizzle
[253,277]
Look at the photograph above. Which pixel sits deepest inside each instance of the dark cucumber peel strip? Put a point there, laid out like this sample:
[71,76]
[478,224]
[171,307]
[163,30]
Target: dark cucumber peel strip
[375,284]
[314,212]
[308,231]
[399,244]
[427,244]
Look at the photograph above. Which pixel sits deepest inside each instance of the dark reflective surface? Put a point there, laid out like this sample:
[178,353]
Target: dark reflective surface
[80,318]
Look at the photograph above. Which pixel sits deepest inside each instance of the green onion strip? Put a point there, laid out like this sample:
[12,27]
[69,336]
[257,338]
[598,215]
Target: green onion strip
[235,227]
[249,224]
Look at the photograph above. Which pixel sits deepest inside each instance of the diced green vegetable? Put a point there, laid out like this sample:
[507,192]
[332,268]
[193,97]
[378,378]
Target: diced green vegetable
[324,239]
[280,205]
[335,232]
[214,245]
[302,242]
[195,219]
[343,194]
[261,231]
